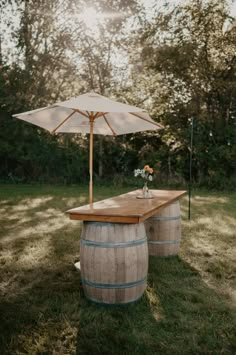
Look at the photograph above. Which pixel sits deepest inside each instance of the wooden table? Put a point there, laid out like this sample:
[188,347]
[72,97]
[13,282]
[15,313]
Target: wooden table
[126,208]
[113,243]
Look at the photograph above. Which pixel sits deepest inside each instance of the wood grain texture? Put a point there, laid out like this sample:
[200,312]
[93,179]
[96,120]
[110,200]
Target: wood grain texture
[164,231]
[125,208]
[114,262]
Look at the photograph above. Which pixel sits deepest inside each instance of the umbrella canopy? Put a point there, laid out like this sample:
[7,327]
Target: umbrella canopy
[94,114]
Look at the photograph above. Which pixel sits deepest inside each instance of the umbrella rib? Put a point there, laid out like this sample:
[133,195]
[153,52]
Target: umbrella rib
[113,132]
[83,114]
[96,115]
[71,114]
[100,114]
[88,114]
[145,119]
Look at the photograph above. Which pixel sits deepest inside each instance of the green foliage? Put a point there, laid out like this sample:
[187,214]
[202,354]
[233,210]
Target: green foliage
[181,65]
[29,153]
[189,70]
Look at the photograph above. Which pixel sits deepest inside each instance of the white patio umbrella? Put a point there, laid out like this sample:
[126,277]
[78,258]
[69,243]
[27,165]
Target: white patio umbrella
[94,114]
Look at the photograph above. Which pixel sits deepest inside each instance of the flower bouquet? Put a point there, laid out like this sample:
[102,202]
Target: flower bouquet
[146,175]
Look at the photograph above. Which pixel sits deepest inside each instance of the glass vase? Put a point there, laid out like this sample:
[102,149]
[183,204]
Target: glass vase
[145,190]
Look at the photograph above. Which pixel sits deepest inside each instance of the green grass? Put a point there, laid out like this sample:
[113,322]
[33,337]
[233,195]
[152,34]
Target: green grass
[188,307]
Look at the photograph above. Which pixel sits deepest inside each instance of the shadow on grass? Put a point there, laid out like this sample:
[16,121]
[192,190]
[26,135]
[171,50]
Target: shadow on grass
[43,309]
[178,314]
[40,292]
[42,319]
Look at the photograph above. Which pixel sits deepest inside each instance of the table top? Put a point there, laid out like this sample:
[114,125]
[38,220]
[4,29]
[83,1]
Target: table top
[126,208]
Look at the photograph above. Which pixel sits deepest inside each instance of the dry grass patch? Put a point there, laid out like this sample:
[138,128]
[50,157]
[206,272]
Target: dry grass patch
[209,241]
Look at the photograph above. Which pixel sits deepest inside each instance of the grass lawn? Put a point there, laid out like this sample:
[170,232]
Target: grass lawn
[188,307]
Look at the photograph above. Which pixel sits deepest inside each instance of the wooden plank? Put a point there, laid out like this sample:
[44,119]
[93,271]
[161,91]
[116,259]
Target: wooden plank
[97,218]
[126,208]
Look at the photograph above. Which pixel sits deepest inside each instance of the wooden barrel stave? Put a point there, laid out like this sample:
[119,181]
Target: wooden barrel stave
[114,261]
[116,297]
[164,231]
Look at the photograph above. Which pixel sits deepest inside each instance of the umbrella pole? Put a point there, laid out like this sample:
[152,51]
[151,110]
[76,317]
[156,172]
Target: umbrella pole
[91,120]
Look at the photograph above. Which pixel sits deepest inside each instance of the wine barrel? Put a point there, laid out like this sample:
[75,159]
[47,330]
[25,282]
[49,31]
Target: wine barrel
[114,261]
[164,231]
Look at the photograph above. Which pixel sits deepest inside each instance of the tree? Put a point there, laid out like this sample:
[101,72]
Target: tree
[42,73]
[190,56]
[99,34]
[63,57]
